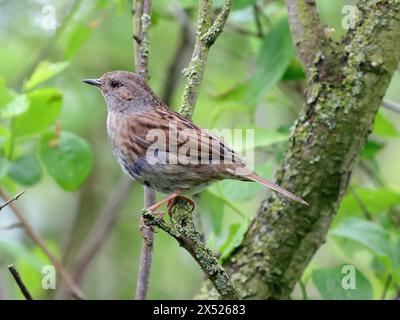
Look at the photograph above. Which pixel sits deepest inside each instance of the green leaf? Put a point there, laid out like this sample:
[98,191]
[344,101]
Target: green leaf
[233,190]
[6,94]
[376,201]
[78,37]
[241,4]
[25,170]
[273,60]
[371,149]
[45,107]
[294,71]
[367,233]
[44,71]
[68,158]
[234,239]
[250,138]
[383,127]
[213,206]
[15,107]
[329,282]
[266,137]
[5,140]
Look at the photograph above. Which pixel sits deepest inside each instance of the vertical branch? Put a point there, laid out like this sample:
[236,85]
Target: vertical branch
[141,23]
[69,282]
[207,33]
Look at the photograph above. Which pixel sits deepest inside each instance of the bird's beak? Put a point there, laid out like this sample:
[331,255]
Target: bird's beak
[93,82]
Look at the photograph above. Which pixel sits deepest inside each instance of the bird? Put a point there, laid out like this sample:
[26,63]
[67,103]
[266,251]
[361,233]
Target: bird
[163,150]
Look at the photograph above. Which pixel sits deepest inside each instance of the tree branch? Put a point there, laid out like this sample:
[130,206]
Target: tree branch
[331,131]
[141,23]
[307,30]
[207,33]
[69,282]
[183,230]
[19,282]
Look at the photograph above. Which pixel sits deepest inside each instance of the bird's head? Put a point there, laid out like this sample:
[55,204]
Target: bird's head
[125,92]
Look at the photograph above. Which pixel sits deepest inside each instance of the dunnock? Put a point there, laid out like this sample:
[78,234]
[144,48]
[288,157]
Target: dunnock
[159,148]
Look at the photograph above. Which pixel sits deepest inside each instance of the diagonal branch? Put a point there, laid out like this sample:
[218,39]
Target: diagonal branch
[183,230]
[105,222]
[307,30]
[15,198]
[20,283]
[69,282]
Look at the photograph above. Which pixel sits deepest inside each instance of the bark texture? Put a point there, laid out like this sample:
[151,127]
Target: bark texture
[346,85]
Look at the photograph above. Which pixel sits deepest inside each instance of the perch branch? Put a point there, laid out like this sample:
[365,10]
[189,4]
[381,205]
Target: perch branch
[183,230]
[19,282]
[69,282]
[141,23]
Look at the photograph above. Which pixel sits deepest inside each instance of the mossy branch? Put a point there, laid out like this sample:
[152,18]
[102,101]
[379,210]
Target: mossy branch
[207,33]
[183,230]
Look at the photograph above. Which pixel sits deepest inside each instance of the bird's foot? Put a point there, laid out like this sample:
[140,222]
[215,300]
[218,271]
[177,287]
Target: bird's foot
[172,202]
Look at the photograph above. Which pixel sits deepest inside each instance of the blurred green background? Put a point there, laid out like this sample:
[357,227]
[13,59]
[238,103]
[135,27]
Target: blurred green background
[252,80]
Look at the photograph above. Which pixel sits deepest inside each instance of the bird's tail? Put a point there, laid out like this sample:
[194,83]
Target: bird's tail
[254,177]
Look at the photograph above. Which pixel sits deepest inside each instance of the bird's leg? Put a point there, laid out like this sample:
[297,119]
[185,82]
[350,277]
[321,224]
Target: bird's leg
[163,201]
[171,203]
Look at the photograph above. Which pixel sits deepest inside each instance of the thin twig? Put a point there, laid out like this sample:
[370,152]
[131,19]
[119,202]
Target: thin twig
[69,282]
[11,200]
[361,204]
[141,23]
[391,105]
[19,282]
[146,253]
[183,230]
[256,11]
[303,290]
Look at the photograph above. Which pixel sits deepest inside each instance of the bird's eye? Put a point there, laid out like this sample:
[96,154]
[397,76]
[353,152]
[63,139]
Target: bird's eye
[115,83]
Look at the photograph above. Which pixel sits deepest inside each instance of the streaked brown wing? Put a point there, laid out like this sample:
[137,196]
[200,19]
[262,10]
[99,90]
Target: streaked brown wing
[180,137]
